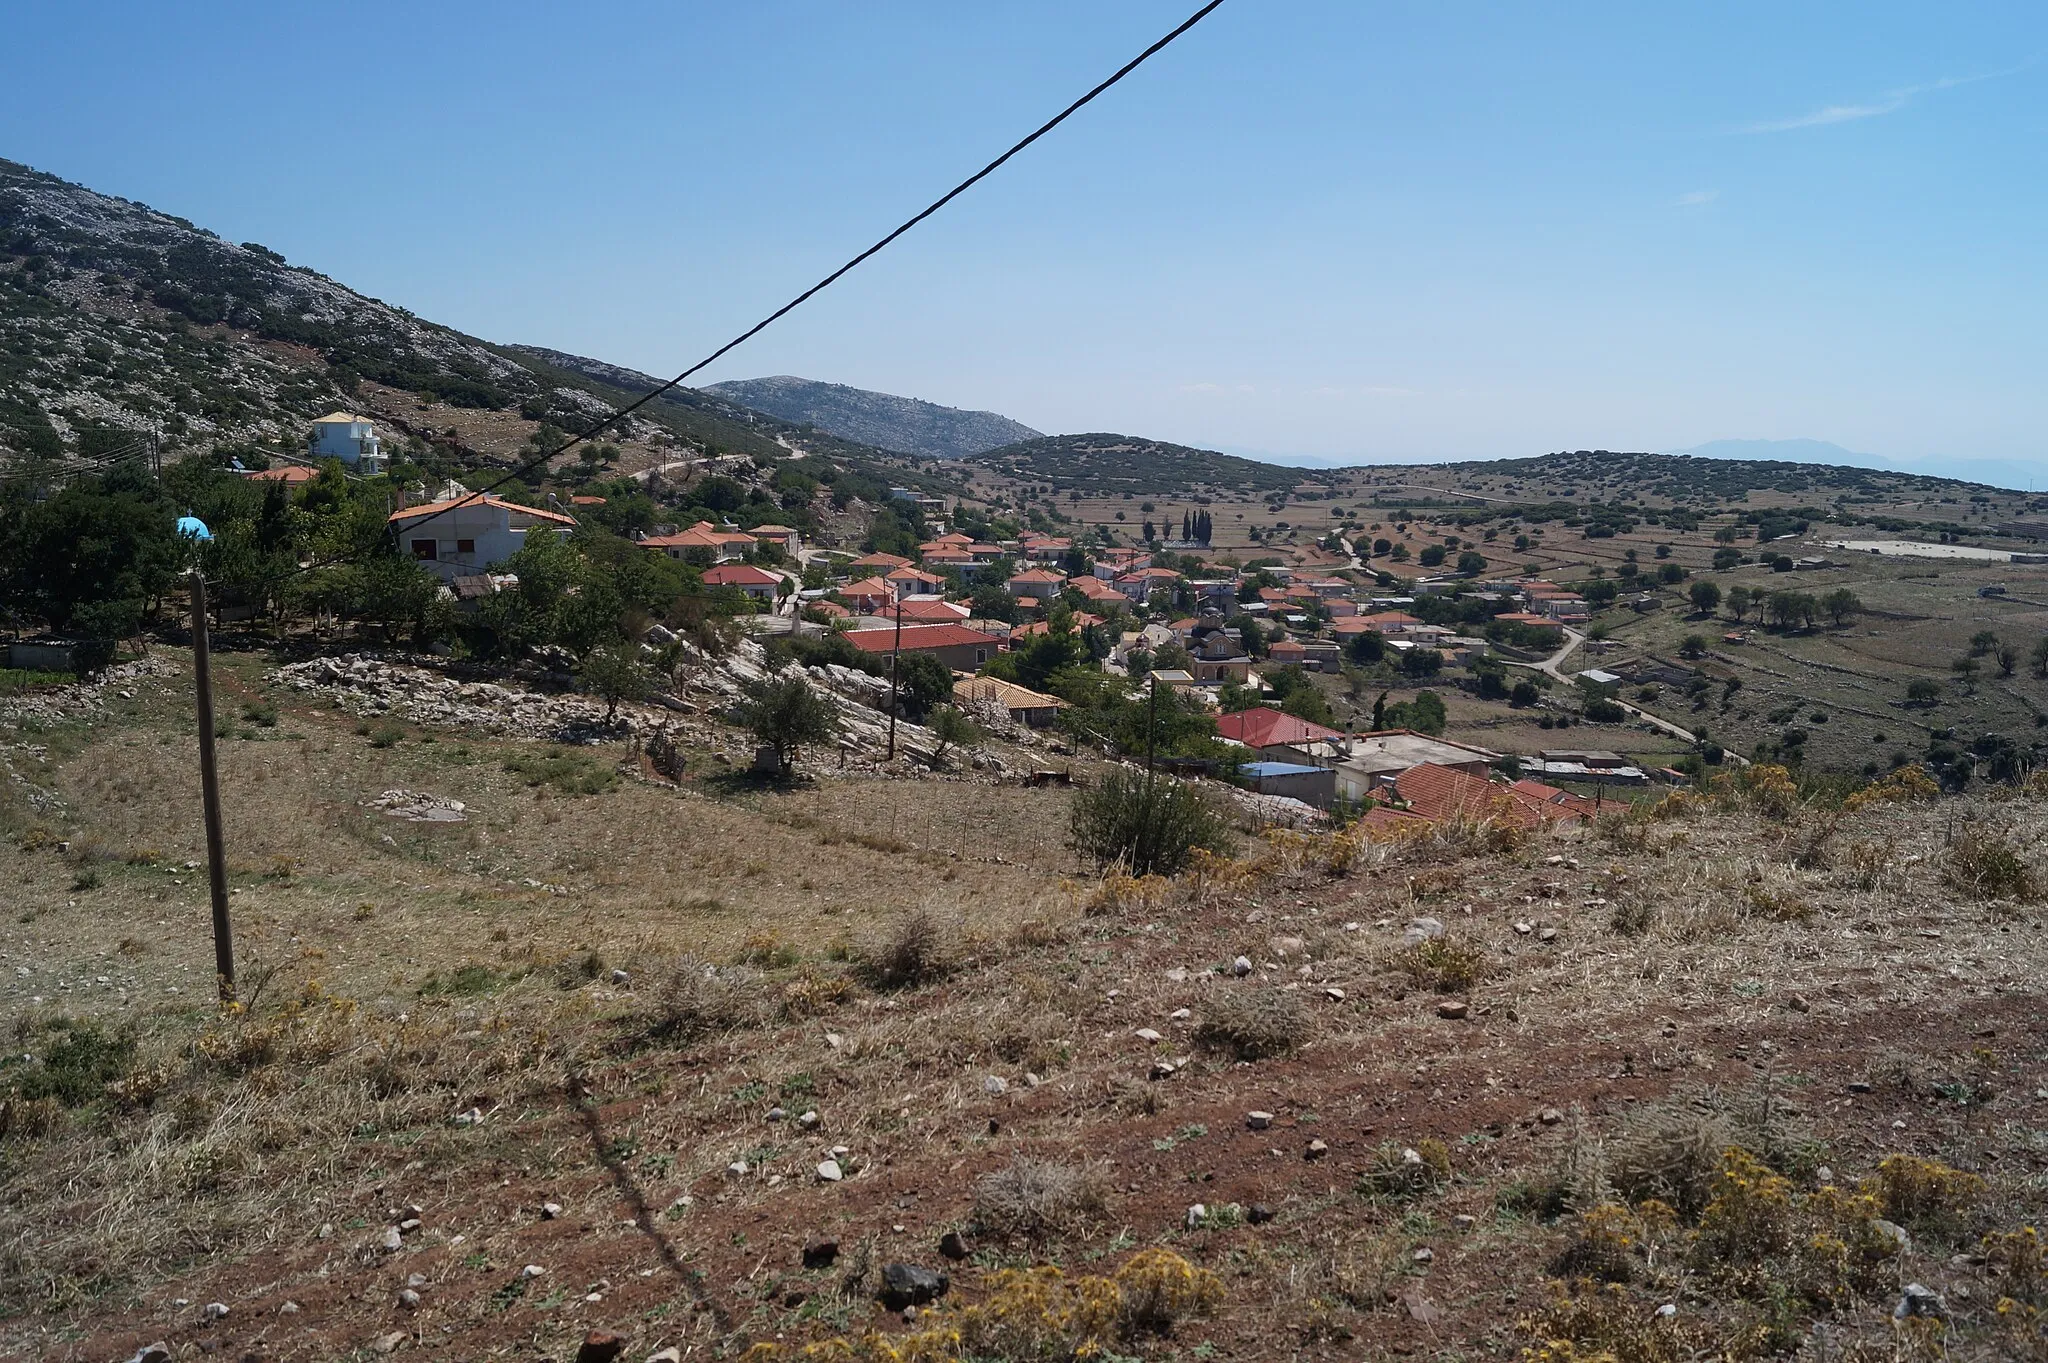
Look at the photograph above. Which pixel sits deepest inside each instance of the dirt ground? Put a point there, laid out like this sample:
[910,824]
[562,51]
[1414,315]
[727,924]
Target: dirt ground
[441,1081]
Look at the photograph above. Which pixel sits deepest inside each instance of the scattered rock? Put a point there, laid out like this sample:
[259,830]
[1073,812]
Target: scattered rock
[601,1346]
[1798,1004]
[1334,994]
[1918,1301]
[1550,1116]
[1180,1014]
[1547,935]
[821,1253]
[1894,1232]
[622,979]
[669,1355]
[1465,1221]
[1524,929]
[1317,1149]
[1858,1086]
[389,1343]
[1419,1308]
[532,1271]
[1667,1310]
[393,1238]
[1258,1121]
[1162,1069]
[1197,1216]
[1425,1255]
[1241,967]
[829,1171]
[550,1210]
[409,1299]
[1454,1009]
[1422,930]
[289,1308]
[159,1352]
[1283,947]
[994,1085]
[1259,1214]
[1149,1035]
[808,1120]
[214,1310]
[776,1114]
[952,1246]
[908,1285]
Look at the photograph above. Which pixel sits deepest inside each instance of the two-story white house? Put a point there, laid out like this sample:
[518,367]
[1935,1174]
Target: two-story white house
[477,532]
[349,438]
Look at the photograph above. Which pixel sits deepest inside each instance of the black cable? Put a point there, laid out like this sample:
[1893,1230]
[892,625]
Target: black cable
[542,460]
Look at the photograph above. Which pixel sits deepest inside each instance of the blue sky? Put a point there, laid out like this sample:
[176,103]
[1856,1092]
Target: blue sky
[1325,230]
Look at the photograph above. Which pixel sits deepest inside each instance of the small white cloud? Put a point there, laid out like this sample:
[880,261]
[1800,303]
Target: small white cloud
[1698,197]
[1892,102]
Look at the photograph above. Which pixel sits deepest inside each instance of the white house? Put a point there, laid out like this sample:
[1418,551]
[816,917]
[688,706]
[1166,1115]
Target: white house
[475,532]
[351,439]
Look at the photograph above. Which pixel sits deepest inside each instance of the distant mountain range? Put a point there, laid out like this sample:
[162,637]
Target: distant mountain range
[906,425]
[2007,473]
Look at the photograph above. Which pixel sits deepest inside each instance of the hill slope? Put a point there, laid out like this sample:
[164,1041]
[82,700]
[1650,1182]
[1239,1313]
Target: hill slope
[118,320]
[1101,462]
[910,425]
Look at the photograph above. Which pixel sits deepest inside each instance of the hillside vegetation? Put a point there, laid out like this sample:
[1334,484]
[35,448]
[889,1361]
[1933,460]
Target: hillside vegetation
[1102,464]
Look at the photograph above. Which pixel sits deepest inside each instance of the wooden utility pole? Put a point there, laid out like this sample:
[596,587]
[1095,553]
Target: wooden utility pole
[894,654]
[209,789]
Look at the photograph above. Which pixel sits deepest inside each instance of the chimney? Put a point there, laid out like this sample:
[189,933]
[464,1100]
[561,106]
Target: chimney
[401,498]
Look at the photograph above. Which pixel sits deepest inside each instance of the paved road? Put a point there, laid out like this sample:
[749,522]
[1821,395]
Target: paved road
[1553,667]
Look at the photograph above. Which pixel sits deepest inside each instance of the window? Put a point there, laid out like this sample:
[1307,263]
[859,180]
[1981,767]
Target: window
[980,656]
[424,550]
[465,546]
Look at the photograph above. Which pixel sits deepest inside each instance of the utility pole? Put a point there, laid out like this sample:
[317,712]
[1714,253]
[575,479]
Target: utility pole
[209,789]
[894,654]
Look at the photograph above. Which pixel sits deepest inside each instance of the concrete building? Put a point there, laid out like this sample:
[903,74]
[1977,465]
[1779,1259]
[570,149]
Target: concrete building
[470,534]
[1311,785]
[349,438]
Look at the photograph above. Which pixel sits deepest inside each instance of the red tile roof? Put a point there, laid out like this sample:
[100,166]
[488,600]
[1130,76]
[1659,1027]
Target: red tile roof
[739,575]
[1264,727]
[930,609]
[917,637]
[287,474]
[1446,793]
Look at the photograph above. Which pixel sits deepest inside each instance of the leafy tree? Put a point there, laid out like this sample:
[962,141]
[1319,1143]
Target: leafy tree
[1923,690]
[786,715]
[614,673]
[1149,824]
[1432,556]
[1724,559]
[1705,596]
[2039,657]
[953,729]
[1424,714]
[1231,697]
[1367,649]
[1840,604]
[1670,574]
[922,682]
[1421,662]
[1693,646]
[1250,633]
[1471,563]
[1523,694]
[1310,704]
[2007,656]
[1982,642]
[990,601]
[1740,599]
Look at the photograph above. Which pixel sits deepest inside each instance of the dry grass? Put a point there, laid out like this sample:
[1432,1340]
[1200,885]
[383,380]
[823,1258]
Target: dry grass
[1256,1023]
[1032,1198]
[335,1098]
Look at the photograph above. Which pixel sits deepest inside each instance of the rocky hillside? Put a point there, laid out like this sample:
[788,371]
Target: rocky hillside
[906,424]
[118,322]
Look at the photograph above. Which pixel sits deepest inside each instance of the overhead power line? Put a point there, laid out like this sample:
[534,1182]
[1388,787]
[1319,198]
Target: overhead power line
[540,461]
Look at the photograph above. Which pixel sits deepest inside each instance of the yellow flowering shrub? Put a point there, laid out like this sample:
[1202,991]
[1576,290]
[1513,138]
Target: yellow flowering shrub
[1908,785]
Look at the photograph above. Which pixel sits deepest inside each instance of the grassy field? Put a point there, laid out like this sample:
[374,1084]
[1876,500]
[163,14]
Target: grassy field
[438,1080]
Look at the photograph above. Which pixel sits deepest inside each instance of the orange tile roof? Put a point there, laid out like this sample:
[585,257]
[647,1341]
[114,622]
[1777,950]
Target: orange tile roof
[286,474]
[1447,793]
[739,575]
